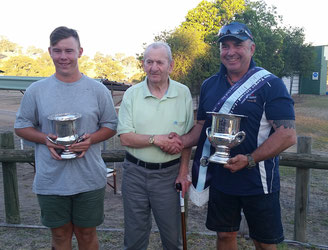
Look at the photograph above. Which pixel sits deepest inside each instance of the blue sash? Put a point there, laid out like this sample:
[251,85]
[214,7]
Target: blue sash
[253,80]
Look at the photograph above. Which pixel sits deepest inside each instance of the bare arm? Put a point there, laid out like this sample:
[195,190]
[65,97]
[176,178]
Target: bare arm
[100,135]
[33,135]
[184,170]
[283,137]
[191,138]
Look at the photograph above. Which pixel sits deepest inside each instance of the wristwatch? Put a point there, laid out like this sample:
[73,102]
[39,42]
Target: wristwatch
[151,139]
[251,162]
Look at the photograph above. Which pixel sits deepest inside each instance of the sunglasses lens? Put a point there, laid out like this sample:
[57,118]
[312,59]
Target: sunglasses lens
[235,29]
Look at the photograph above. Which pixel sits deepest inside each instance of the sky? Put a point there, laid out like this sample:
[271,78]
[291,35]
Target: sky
[123,26]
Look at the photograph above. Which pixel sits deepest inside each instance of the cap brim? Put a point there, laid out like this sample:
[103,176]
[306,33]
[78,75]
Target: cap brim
[239,37]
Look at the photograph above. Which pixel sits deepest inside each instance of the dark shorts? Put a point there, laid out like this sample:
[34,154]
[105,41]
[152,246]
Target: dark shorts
[262,213]
[83,209]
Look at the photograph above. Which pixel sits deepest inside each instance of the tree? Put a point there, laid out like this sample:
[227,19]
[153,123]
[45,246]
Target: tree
[194,51]
[47,67]
[195,60]
[279,49]
[106,67]
[264,24]
[20,66]
[8,46]
[298,56]
[204,19]
[33,51]
[86,65]
[209,17]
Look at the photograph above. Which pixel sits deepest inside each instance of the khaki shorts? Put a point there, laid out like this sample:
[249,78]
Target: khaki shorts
[83,209]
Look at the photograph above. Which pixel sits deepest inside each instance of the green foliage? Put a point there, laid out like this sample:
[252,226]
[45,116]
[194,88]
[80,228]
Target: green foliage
[228,9]
[46,65]
[298,56]
[23,65]
[195,53]
[264,23]
[204,19]
[208,17]
[107,67]
[85,65]
[36,62]
[279,49]
[20,66]
[186,45]
[8,46]
[32,51]
[193,58]
[137,77]
[195,50]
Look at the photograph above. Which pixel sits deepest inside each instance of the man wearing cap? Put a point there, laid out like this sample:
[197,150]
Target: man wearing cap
[250,180]
[150,110]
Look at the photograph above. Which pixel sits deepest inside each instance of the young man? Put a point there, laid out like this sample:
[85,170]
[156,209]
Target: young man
[149,111]
[250,179]
[70,192]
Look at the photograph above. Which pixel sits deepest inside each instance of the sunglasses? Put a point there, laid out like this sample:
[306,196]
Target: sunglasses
[236,29]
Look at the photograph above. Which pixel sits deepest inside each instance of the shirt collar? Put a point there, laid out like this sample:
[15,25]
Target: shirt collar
[170,93]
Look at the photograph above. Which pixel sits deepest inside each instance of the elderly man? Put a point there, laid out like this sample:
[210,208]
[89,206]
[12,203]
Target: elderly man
[250,179]
[150,110]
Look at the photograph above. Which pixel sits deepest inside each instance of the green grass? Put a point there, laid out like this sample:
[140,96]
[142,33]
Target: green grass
[312,119]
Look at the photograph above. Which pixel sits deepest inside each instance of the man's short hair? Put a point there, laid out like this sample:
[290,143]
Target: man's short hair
[157,45]
[61,33]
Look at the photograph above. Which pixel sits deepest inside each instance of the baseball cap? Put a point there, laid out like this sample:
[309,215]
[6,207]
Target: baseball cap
[237,30]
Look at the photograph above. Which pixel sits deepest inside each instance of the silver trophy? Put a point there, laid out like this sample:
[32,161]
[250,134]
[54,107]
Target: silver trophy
[224,134]
[65,127]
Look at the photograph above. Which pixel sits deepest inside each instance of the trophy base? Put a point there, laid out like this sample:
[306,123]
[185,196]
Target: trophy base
[68,155]
[215,158]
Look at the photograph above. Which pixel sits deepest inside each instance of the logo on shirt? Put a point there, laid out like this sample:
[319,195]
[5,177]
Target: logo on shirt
[251,98]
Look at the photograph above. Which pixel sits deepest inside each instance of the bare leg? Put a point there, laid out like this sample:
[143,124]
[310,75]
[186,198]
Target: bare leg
[263,246]
[87,238]
[227,241]
[62,237]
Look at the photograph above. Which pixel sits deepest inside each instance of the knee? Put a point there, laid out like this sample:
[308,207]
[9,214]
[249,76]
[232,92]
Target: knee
[86,235]
[264,246]
[61,237]
[226,236]
[62,234]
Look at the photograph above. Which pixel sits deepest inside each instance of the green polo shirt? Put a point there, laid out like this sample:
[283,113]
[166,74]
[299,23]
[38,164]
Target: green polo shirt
[142,113]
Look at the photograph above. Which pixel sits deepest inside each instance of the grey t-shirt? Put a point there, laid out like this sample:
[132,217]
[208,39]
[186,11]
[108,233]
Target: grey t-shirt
[51,96]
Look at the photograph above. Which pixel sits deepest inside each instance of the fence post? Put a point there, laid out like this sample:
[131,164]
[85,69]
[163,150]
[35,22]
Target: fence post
[10,186]
[302,191]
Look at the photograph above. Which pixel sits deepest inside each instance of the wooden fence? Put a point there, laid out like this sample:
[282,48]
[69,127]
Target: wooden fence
[303,160]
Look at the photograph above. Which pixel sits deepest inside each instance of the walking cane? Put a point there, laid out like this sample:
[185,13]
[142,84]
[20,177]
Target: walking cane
[183,219]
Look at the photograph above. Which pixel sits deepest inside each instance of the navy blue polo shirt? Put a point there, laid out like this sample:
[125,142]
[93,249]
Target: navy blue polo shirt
[271,102]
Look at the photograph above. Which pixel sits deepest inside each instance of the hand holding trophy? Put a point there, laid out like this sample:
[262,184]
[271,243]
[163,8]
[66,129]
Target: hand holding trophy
[65,127]
[223,135]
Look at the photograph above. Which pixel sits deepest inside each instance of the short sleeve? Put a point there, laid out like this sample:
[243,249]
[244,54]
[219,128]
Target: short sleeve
[125,122]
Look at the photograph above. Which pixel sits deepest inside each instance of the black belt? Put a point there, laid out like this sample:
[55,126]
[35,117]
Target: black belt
[150,165]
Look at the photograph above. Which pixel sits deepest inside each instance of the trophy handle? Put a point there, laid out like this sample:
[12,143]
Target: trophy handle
[207,133]
[51,140]
[240,136]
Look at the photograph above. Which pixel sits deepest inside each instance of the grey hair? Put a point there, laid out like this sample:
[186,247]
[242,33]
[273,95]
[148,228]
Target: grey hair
[158,45]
